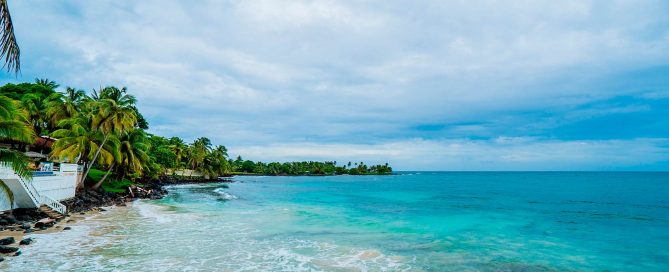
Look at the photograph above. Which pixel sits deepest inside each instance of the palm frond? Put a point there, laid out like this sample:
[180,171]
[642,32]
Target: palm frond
[9,47]
[17,161]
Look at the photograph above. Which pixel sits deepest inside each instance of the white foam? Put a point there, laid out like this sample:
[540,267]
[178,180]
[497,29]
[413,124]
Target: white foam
[225,195]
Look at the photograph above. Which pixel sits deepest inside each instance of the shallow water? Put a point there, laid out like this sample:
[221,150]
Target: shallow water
[423,221]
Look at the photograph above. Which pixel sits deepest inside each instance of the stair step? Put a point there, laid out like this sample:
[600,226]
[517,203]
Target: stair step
[50,212]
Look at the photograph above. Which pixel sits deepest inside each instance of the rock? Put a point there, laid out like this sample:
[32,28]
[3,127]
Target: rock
[26,241]
[25,226]
[28,231]
[3,222]
[67,228]
[23,217]
[7,241]
[8,249]
[17,253]
[44,222]
[1,259]
[10,219]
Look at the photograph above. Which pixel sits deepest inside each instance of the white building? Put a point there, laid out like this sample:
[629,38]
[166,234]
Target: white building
[47,187]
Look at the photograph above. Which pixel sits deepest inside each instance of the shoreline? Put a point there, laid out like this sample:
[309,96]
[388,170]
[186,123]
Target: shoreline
[17,225]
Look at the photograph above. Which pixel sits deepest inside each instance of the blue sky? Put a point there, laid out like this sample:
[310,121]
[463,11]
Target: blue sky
[424,85]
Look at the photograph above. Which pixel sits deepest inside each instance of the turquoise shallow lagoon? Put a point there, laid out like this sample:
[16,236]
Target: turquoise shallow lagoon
[414,221]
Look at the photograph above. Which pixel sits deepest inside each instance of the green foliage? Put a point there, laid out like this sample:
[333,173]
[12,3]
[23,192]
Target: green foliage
[110,184]
[106,130]
[305,168]
[116,186]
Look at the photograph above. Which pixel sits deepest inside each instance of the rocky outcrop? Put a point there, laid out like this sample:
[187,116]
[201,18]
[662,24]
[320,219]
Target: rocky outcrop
[8,249]
[7,241]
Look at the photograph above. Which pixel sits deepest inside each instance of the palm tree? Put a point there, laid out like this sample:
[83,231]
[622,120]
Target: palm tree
[113,114]
[198,151]
[78,140]
[14,126]
[49,84]
[180,150]
[65,105]
[9,47]
[36,108]
[133,150]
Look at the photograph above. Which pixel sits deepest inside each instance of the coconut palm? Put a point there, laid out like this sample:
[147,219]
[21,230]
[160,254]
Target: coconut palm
[180,150]
[65,105]
[78,140]
[36,107]
[198,151]
[9,47]
[113,113]
[133,150]
[14,127]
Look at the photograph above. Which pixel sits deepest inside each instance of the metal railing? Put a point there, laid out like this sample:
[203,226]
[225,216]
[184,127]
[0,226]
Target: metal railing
[30,189]
[53,204]
[39,199]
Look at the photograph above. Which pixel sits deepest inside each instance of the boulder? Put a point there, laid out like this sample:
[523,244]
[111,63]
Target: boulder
[10,219]
[8,249]
[45,222]
[25,226]
[7,241]
[17,253]
[28,231]
[67,228]
[26,241]
[3,222]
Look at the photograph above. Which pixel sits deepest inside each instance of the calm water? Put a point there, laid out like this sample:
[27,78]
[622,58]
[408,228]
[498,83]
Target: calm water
[410,222]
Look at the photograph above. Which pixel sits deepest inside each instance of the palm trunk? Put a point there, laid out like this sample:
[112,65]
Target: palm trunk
[99,183]
[92,162]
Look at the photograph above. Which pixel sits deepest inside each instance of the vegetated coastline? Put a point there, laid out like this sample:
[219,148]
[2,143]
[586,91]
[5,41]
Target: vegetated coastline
[105,133]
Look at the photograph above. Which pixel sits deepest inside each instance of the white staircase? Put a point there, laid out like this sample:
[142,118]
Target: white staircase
[40,200]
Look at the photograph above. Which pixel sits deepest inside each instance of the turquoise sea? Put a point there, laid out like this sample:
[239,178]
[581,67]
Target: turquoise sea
[412,221]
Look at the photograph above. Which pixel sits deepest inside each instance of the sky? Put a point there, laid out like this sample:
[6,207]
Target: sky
[423,85]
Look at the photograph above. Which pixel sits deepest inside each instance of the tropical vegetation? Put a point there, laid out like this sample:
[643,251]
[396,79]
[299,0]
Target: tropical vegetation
[106,134]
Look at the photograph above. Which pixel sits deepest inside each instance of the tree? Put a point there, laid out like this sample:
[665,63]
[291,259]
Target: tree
[113,114]
[133,154]
[14,127]
[198,151]
[65,105]
[79,141]
[9,47]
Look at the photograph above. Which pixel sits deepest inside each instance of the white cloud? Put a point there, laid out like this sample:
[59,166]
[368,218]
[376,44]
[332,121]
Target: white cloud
[257,73]
[503,153]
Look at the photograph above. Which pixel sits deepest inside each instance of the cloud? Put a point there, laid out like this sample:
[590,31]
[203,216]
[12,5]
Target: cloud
[364,74]
[502,153]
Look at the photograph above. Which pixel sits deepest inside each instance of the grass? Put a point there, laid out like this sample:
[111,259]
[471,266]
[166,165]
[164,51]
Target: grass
[111,184]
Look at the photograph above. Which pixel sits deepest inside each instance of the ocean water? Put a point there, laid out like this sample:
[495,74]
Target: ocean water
[414,221]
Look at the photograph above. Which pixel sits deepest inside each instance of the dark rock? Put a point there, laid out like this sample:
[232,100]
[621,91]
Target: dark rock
[43,228]
[28,231]
[25,226]
[3,222]
[67,228]
[8,249]
[7,241]
[26,241]
[1,259]
[17,253]
[23,217]
[10,219]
